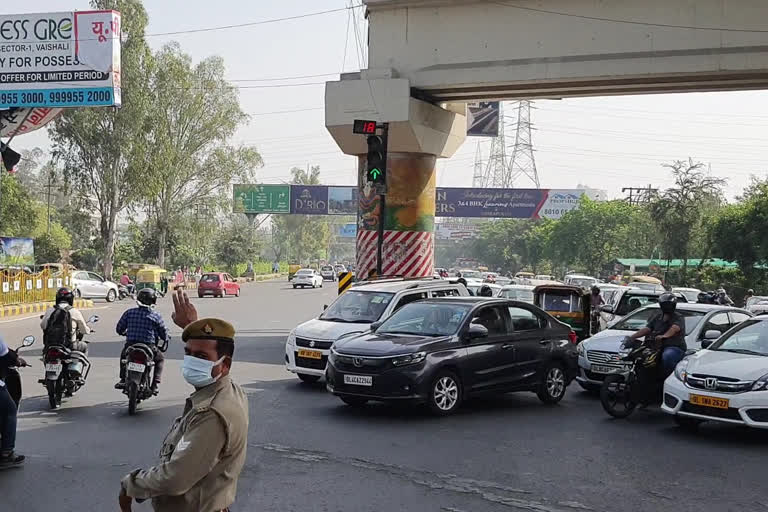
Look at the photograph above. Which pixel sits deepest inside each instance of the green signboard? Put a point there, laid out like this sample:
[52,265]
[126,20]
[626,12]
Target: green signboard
[262,198]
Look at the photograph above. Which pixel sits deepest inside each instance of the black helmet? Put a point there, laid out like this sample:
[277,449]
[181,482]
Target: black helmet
[668,302]
[485,291]
[64,294]
[147,297]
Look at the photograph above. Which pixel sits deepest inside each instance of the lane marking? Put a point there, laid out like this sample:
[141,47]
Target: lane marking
[36,315]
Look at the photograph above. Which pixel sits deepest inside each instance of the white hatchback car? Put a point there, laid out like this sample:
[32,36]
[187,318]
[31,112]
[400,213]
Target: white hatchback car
[727,382]
[307,277]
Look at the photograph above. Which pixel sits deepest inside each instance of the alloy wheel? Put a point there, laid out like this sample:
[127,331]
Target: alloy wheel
[555,382]
[446,393]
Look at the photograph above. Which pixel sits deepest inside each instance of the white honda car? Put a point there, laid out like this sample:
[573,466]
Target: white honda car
[726,382]
[308,277]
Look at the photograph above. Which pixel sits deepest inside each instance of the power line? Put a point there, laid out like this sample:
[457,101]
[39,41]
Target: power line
[630,22]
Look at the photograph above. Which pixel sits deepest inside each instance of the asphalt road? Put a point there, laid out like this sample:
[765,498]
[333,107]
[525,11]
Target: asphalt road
[309,452]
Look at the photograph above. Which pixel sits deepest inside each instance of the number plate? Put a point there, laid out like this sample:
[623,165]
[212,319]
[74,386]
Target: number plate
[310,354]
[358,380]
[136,367]
[56,368]
[709,401]
[598,368]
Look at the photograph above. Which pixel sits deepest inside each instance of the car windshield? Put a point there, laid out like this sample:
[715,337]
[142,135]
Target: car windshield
[561,302]
[690,295]
[630,302]
[327,268]
[517,294]
[425,319]
[639,319]
[751,337]
[584,282]
[357,307]
[471,274]
[209,278]
[647,286]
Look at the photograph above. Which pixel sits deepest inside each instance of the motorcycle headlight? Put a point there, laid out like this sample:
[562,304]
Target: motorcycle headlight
[761,384]
[292,338]
[409,359]
[681,370]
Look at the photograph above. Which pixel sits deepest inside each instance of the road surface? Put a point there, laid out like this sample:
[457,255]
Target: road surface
[309,452]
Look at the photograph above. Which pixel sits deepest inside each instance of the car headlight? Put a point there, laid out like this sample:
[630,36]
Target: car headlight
[580,349]
[292,338]
[409,359]
[681,370]
[761,384]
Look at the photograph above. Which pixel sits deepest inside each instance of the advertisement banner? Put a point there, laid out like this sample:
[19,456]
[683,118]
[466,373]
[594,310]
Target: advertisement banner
[348,230]
[17,251]
[17,121]
[262,198]
[456,230]
[63,59]
[506,203]
[483,119]
[342,200]
[309,199]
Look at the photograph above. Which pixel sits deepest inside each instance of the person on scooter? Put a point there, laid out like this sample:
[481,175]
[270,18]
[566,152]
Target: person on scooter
[595,301]
[126,281]
[56,329]
[8,458]
[667,328]
[143,324]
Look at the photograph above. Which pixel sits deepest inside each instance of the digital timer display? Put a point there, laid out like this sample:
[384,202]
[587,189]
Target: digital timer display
[364,127]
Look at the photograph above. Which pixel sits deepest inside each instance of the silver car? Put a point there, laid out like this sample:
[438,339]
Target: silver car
[90,285]
[599,355]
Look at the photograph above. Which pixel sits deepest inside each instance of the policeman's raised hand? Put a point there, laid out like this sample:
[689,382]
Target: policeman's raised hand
[184,311]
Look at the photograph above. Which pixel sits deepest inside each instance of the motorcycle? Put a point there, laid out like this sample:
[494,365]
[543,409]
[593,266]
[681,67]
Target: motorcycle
[124,293]
[640,382]
[139,364]
[66,370]
[12,378]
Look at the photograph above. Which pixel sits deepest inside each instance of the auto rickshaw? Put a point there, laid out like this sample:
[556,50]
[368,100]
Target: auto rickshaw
[569,304]
[292,269]
[152,278]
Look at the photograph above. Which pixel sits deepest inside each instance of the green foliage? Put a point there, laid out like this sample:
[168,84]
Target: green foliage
[87,259]
[236,245]
[17,213]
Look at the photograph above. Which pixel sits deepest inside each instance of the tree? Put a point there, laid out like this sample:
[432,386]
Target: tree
[678,211]
[102,149]
[17,214]
[196,111]
[301,237]
[236,244]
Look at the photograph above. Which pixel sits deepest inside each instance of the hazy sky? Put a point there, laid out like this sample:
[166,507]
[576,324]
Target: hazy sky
[606,143]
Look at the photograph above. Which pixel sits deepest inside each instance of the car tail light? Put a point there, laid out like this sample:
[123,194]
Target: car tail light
[573,338]
[138,357]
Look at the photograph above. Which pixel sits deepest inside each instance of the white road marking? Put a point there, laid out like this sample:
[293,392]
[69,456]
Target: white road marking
[37,315]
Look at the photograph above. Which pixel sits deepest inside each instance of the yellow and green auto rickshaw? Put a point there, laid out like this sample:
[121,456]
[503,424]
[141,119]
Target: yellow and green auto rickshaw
[152,277]
[569,304]
[292,269]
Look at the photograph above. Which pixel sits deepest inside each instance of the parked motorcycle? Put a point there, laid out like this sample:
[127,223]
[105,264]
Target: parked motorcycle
[139,364]
[66,370]
[640,382]
[13,379]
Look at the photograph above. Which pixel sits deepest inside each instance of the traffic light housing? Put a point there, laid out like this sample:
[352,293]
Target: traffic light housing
[376,171]
[9,157]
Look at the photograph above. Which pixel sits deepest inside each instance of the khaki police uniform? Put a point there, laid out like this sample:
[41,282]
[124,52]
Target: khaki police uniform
[204,452]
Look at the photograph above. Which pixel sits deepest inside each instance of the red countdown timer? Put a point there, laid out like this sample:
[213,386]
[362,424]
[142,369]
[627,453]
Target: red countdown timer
[364,127]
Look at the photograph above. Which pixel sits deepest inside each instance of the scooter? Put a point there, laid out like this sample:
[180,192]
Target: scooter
[124,293]
[139,364]
[66,370]
[12,378]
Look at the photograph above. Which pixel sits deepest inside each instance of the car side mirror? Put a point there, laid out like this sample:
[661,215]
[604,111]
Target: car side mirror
[476,331]
[27,341]
[94,319]
[712,334]
[375,325]
[325,306]
[606,308]
[705,343]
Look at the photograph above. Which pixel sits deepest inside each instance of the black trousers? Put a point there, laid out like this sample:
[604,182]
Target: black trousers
[159,363]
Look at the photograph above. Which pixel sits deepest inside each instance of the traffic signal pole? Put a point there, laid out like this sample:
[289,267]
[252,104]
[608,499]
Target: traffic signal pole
[383,204]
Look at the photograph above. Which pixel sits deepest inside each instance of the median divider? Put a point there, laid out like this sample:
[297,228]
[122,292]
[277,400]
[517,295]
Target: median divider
[37,307]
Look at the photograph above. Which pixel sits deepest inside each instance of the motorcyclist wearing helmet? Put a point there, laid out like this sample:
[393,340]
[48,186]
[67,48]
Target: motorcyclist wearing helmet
[722,297]
[65,299]
[143,324]
[485,291]
[749,295]
[595,301]
[668,329]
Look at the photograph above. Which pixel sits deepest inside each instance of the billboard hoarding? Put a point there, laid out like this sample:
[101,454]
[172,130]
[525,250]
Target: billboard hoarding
[456,230]
[342,200]
[63,59]
[17,121]
[262,198]
[309,199]
[483,119]
[348,230]
[17,251]
[506,203]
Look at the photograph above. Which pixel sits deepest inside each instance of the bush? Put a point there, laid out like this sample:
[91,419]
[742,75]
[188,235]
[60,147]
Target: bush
[238,269]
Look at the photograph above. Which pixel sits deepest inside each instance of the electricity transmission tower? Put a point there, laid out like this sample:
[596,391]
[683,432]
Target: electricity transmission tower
[522,163]
[478,178]
[496,169]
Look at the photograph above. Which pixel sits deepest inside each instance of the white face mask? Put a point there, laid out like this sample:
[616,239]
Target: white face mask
[197,372]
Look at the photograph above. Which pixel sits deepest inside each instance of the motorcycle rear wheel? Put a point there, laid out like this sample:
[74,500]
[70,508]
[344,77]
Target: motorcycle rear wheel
[51,387]
[133,398]
[615,397]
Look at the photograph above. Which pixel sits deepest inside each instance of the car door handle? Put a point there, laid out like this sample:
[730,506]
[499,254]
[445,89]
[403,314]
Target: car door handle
[507,346]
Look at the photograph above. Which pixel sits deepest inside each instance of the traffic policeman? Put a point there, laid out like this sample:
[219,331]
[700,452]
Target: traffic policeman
[204,452]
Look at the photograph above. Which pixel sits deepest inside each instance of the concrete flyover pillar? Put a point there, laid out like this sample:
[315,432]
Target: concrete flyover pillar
[419,133]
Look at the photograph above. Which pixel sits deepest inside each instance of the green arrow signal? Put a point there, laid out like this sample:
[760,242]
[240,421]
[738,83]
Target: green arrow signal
[375,173]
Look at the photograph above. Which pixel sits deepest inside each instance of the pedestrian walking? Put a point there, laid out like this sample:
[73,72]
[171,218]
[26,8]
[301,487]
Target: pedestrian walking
[204,452]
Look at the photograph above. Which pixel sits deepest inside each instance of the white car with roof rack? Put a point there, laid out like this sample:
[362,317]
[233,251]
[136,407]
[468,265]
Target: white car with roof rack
[308,345]
[726,382]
